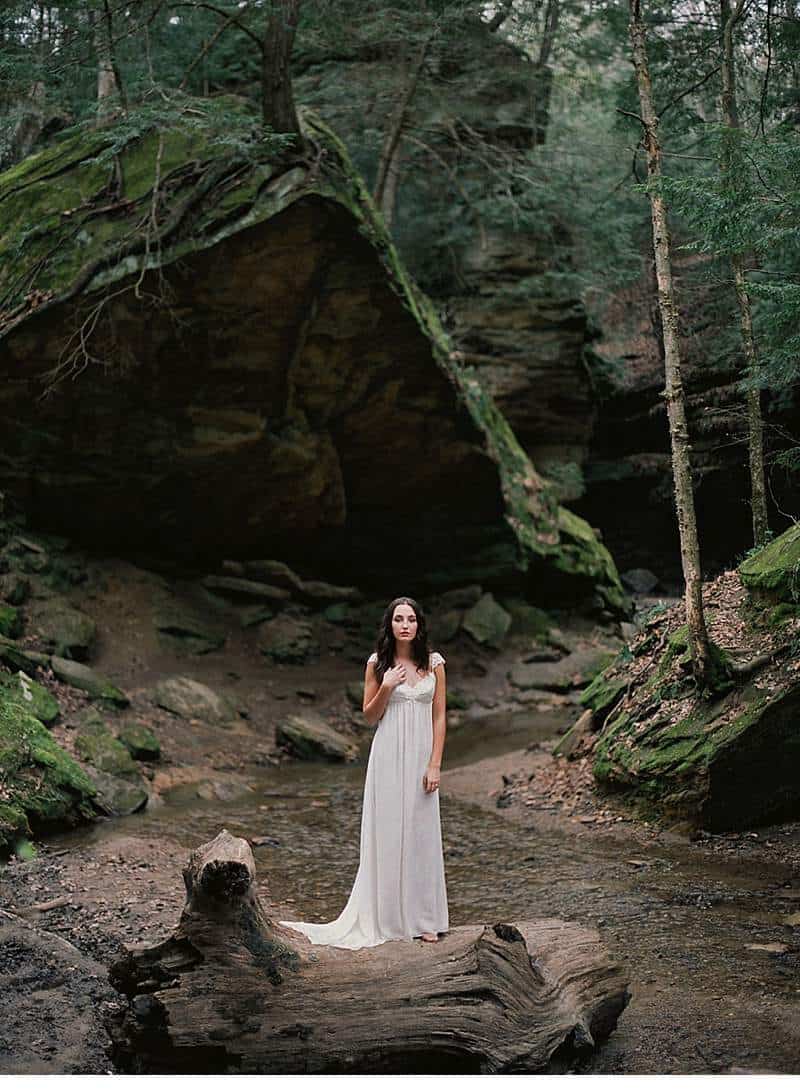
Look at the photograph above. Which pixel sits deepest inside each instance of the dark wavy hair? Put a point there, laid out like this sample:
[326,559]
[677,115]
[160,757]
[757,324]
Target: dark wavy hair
[384,646]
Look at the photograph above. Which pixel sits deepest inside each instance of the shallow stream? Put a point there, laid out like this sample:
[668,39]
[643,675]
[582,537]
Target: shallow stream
[680,916]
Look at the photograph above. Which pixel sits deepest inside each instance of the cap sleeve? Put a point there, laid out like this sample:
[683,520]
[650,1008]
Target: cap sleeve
[373,658]
[436,659]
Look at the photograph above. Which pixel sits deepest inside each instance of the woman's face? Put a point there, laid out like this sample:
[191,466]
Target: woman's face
[404,624]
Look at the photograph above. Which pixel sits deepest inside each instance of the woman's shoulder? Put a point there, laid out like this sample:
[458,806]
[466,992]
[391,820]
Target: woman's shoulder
[436,659]
[373,658]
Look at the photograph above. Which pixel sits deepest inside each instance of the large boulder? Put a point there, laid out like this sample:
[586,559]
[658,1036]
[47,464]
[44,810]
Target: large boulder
[773,573]
[310,737]
[191,699]
[726,760]
[271,431]
[487,621]
[41,787]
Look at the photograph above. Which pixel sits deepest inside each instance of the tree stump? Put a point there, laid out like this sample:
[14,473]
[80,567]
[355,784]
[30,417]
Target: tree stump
[232,991]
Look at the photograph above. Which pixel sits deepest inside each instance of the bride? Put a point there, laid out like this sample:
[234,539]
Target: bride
[399,890]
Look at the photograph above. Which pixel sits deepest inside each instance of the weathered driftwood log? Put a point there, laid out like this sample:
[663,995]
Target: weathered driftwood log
[234,992]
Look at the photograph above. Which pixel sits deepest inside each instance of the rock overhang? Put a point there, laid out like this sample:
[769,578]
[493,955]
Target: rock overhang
[261,377]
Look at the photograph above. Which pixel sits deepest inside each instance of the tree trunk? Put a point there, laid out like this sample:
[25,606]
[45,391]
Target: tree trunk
[109,84]
[730,117]
[389,165]
[676,405]
[278,110]
[233,991]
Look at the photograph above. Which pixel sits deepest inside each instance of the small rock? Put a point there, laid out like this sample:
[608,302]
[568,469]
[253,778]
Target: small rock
[140,741]
[775,948]
[640,580]
[487,621]
[24,850]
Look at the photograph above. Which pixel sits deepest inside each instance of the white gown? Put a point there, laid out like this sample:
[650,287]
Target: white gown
[399,890]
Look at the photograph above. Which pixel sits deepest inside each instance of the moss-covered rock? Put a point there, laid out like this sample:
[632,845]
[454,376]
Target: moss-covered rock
[773,572]
[140,741]
[241,438]
[88,680]
[487,621]
[95,744]
[41,787]
[723,761]
[32,695]
[64,630]
[116,795]
[16,656]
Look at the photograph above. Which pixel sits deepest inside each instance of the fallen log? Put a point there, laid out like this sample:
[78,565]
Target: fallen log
[232,991]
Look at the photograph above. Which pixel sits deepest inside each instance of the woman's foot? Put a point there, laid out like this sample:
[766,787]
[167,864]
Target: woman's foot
[430,937]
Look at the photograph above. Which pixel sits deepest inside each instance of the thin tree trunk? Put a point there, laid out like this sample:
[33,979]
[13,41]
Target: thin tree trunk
[676,406]
[730,117]
[108,88]
[278,110]
[389,164]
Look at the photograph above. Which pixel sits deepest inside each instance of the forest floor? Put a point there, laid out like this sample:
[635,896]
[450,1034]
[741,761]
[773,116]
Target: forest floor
[706,926]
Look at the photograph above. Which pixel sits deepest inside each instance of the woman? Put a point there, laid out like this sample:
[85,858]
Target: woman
[399,890]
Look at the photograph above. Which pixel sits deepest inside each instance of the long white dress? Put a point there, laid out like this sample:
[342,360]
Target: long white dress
[399,890]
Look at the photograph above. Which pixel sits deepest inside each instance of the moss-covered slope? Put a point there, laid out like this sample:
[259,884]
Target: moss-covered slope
[240,365]
[727,762]
[41,786]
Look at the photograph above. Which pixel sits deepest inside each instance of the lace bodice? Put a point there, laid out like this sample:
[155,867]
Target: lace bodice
[423,689]
[436,659]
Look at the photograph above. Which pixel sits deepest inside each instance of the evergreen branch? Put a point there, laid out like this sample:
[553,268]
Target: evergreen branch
[196,4]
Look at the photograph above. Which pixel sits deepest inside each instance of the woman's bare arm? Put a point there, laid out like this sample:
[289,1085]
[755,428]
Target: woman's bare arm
[376,695]
[439,712]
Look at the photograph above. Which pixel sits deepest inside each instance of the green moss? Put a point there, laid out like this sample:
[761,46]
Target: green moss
[32,695]
[140,741]
[41,786]
[781,614]
[774,571]
[10,622]
[54,233]
[98,747]
[603,692]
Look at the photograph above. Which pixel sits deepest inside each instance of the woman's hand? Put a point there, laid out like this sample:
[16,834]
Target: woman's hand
[394,676]
[430,780]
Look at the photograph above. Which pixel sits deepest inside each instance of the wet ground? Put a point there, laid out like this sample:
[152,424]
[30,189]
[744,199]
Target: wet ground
[708,930]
